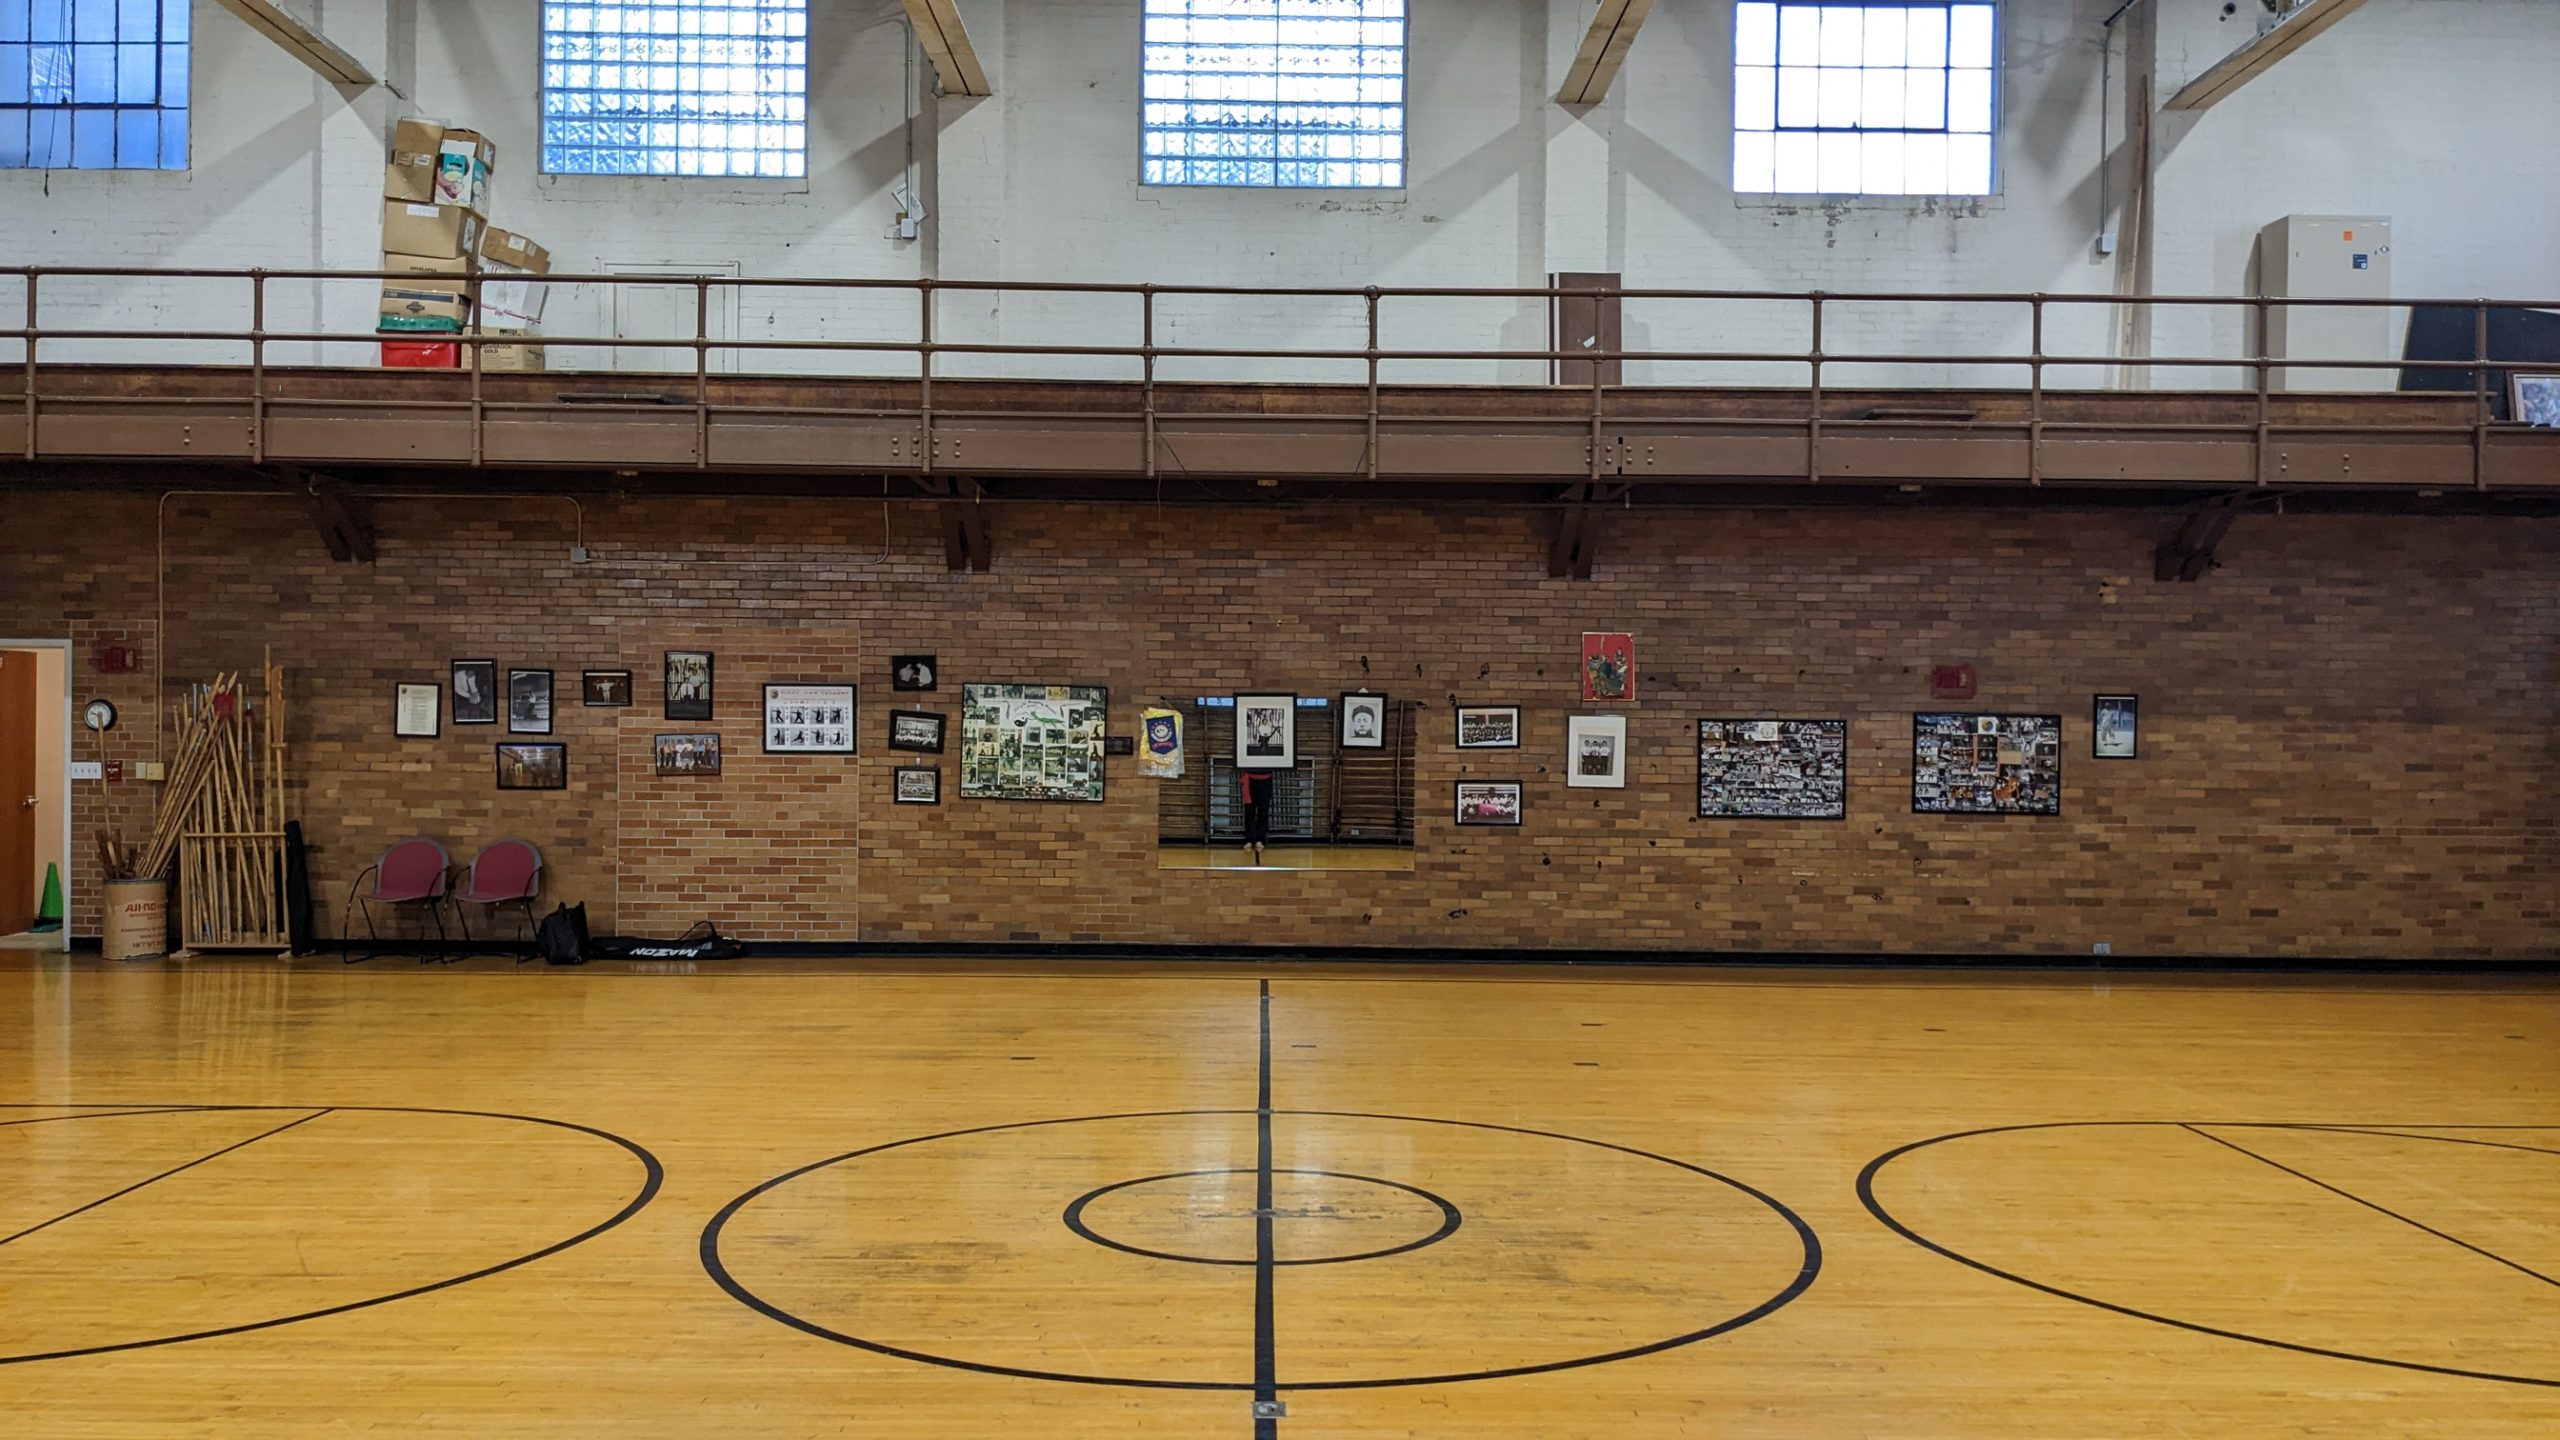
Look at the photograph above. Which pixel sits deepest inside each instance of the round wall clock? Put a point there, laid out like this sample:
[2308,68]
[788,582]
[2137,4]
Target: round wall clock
[101,715]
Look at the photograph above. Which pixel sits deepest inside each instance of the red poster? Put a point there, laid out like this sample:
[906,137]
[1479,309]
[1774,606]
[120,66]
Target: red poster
[1608,666]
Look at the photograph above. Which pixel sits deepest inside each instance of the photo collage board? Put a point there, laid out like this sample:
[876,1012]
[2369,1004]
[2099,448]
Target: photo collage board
[1986,764]
[1773,769]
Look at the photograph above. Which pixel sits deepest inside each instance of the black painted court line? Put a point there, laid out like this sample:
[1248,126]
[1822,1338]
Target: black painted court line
[163,1175]
[1266,1340]
[2370,1205]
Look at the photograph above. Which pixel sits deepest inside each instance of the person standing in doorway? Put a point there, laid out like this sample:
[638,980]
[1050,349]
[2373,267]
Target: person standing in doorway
[1254,788]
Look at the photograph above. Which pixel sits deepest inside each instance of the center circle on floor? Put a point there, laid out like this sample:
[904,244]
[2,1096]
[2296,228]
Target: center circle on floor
[1318,1217]
[1472,1239]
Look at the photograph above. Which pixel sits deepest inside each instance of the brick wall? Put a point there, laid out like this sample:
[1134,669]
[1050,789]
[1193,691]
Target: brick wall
[2348,734]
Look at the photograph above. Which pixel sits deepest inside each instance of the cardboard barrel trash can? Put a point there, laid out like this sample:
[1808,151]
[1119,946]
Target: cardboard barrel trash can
[137,919]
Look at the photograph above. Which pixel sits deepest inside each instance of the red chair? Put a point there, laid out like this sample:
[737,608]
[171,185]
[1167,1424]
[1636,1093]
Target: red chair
[412,874]
[508,872]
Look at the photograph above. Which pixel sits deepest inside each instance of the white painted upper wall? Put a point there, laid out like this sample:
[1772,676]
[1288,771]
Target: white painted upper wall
[2418,109]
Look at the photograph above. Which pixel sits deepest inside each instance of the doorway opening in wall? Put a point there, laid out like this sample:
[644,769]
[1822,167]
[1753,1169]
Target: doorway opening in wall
[673,311]
[35,794]
[1344,802]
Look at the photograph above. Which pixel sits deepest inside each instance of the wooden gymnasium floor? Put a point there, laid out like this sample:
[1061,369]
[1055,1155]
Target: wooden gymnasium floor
[973,1201]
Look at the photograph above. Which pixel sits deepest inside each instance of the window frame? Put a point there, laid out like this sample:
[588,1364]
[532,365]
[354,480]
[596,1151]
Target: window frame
[1378,193]
[746,187]
[1992,198]
[162,11]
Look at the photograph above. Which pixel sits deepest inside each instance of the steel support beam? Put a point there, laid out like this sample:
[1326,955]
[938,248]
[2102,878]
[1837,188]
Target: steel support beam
[1573,542]
[2257,57]
[968,537]
[946,44]
[1604,50]
[302,40]
[344,518]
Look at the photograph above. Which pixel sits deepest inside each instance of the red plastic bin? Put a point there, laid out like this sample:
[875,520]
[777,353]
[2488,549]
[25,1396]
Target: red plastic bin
[422,354]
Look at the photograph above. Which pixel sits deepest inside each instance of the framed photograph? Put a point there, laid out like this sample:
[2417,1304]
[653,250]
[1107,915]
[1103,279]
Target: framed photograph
[475,692]
[1488,727]
[2115,726]
[1608,665]
[2534,399]
[697,754]
[1266,732]
[1488,802]
[533,767]
[1032,742]
[1773,769]
[918,784]
[914,672]
[1986,764]
[1364,722]
[606,688]
[809,719]
[688,684]
[528,702]
[1595,752]
[414,714]
[917,730]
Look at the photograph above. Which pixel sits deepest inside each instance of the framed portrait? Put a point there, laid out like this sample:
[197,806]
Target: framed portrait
[1488,802]
[605,688]
[1266,732]
[2115,726]
[917,785]
[1595,752]
[697,754]
[1364,722]
[414,712]
[1488,727]
[1032,742]
[917,730]
[914,672]
[809,719]
[475,692]
[1986,764]
[688,684]
[1608,665]
[533,767]
[2534,399]
[528,702]
[1773,769]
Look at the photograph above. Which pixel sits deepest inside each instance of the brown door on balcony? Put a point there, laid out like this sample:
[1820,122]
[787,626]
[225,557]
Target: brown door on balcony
[1586,322]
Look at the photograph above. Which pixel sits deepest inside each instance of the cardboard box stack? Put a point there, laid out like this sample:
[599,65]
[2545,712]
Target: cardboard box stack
[435,235]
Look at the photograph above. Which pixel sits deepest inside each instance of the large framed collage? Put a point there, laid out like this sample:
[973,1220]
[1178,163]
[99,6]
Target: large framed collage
[1986,764]
[1773,769]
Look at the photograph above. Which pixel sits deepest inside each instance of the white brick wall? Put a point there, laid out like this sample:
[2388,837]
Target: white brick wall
[2431,111]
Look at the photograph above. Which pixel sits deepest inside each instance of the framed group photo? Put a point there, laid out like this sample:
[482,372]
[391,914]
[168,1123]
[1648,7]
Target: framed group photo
[917,785]
[697,754]
[1488,727]
[533,767]
[916,730]
[1595,752]
[688,685]
[1488,802]
[1266,732]
[809,719]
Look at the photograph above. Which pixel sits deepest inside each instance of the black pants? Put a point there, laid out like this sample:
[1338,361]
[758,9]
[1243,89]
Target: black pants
[1257,815]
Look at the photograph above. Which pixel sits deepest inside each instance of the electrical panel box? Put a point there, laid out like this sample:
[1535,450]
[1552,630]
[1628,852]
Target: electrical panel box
[2328,257]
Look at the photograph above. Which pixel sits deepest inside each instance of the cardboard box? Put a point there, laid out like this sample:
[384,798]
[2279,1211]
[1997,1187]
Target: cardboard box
[422,354]
[463,161]
[425,264]
[507,248]
[412,176]
[434,231]
[510,359]
[413,309]
[512,303]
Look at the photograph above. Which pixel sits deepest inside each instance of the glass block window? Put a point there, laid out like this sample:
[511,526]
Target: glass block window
[1864,99]
[93,84]
[675,87]
[1306,93]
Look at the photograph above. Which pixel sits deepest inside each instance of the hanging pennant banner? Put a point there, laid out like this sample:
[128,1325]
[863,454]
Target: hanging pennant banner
[1160,758]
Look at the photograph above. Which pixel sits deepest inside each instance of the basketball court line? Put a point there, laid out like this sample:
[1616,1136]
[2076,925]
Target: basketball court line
[1875,1208]
[1266,1340]
[2379,1209]
[163,1175]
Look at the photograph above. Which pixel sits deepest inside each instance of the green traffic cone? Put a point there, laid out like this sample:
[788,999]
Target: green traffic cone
[49,909]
